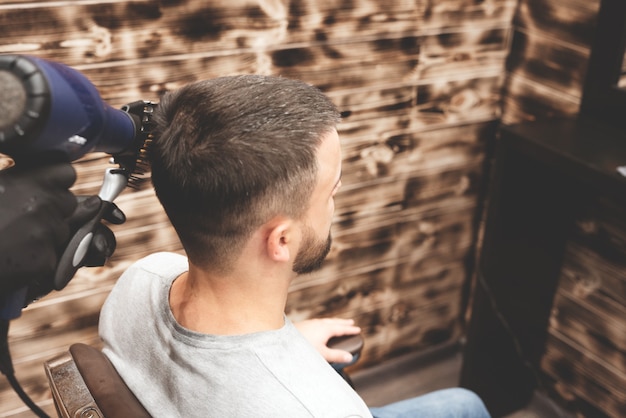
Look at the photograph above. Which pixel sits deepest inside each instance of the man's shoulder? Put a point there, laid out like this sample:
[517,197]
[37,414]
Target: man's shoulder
[160,259]
[161,263]
[153,269]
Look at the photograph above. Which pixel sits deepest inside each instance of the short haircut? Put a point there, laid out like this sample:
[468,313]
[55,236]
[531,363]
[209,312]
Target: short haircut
[231,153]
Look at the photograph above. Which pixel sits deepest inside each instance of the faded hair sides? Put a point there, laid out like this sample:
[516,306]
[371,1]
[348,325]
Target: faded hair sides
[233,152]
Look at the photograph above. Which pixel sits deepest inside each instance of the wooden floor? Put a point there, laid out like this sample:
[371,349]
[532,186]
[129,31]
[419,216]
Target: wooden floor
[415,374]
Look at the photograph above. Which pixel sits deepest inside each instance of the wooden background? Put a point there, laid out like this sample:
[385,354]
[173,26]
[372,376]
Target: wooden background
[584,365]
[420,83]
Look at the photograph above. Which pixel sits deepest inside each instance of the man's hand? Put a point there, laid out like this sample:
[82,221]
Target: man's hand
[319,331]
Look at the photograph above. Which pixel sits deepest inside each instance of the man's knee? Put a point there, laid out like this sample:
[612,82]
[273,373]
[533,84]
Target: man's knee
[444,403]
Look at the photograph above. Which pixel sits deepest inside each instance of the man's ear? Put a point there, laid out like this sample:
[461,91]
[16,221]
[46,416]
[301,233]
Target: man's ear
[279,240]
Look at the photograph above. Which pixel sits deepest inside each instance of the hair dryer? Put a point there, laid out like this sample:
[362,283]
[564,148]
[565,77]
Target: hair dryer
[47,108]
[50,112]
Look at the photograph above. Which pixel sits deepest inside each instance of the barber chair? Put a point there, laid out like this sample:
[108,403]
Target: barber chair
[85,384]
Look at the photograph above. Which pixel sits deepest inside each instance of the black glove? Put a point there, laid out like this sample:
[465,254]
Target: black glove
[103,242]
[34,206]
[100,248]
[38,216]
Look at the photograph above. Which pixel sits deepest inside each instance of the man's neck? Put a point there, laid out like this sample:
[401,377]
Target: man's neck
[227,305]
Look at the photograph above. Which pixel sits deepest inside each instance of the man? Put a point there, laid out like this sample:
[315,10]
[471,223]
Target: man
[246,168]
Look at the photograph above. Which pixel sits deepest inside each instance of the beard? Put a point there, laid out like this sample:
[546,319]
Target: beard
[312,253]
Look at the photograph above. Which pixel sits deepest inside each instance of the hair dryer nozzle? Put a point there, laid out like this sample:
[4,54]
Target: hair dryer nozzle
[50,108]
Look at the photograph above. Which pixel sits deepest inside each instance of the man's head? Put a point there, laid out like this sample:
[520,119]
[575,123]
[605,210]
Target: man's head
[231,153]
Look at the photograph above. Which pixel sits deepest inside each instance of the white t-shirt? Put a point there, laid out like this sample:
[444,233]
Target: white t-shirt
[175,372]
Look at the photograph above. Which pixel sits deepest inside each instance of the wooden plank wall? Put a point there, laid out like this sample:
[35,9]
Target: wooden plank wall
[586,350]
[584,365]
[419,82]
[548,60]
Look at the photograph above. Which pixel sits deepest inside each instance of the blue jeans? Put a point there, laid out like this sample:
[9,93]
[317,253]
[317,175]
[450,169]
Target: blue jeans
[445,403]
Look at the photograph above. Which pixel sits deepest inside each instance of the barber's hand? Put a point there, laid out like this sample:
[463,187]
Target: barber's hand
[103,243]
[34,205]
[38,216]
[319,331]
[101,246]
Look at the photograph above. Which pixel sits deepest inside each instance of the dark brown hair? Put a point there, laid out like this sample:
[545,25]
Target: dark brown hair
[233,152]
